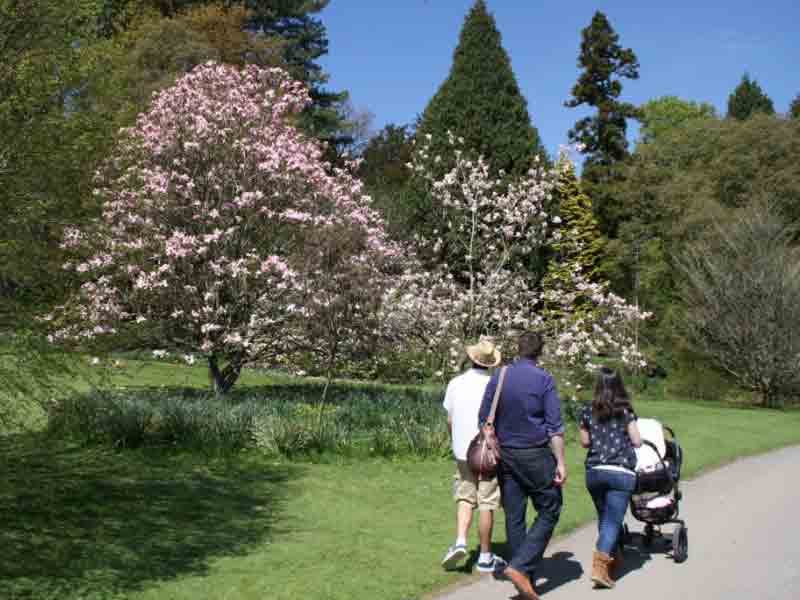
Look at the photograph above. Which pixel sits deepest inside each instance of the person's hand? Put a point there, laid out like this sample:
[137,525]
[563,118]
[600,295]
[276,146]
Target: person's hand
[561,474]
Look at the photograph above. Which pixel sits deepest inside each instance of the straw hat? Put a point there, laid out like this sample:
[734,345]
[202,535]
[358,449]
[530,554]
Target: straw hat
[484,354]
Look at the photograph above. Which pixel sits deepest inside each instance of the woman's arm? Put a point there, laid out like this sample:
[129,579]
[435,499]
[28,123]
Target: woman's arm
[633,433]
[586,437]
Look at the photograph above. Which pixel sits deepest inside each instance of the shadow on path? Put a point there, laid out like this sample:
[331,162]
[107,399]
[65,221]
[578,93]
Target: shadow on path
[559,569]
[553,572]
[87,523]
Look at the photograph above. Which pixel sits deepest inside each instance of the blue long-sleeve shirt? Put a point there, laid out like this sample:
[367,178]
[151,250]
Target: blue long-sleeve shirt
[528,411]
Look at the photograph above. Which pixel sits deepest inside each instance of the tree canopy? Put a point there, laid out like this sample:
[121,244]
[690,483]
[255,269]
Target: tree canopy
[295,22]
[659,115]
[748,99]
[794,108]
[481,103]
[688,178]
[602,137]
[48,149]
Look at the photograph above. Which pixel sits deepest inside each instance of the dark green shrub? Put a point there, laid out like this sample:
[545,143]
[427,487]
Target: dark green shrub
[287,421]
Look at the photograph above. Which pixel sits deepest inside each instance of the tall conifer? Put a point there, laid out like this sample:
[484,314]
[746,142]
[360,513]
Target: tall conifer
[603,136]
[794,108]
[747,99]
[583,243]
[480,101]
[297,22]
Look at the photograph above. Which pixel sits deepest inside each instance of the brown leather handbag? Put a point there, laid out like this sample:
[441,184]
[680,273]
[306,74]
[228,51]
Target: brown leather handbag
[483,454]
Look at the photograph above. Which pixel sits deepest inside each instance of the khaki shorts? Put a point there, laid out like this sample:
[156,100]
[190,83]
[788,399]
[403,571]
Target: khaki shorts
[484,494]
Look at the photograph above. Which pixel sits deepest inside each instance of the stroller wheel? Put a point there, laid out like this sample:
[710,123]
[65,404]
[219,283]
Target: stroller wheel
[680,544]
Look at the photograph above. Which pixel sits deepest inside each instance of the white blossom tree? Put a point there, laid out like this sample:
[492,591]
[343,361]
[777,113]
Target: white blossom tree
[498,225]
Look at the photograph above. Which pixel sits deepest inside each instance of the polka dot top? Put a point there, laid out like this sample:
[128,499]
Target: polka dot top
[610,442]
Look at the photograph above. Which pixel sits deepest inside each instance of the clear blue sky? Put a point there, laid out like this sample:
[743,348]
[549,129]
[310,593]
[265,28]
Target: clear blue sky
[392,55]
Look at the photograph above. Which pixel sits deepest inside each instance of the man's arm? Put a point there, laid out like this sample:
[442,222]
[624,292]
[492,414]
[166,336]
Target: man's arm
[448,407]
[557,446]
[554,427]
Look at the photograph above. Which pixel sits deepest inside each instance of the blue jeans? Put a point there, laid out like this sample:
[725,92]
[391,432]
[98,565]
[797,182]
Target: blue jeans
[611,492]
[528,473]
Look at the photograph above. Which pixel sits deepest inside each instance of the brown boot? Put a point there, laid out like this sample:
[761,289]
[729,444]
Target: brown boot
[617,561]
[522,583]
[600,576]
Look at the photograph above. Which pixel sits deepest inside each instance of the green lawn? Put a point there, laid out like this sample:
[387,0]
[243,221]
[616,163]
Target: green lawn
[82,523]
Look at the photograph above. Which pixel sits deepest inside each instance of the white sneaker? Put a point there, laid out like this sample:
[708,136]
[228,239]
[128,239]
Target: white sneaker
[454,554]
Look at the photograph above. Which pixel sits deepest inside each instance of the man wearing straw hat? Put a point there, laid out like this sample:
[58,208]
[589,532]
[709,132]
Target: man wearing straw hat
[462,402]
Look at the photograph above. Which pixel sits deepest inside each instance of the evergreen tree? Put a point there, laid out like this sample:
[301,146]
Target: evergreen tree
[386,177]
[603,136]
[794,108]
[480,101]
[583,243]
[296,22]
[747,99]
[385,158]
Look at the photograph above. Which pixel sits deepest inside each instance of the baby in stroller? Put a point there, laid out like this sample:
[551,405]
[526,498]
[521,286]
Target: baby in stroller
[657,498]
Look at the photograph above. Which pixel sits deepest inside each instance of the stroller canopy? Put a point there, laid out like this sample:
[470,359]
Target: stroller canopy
[652,431]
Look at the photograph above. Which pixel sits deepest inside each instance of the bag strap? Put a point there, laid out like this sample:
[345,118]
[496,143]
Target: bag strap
[490,420]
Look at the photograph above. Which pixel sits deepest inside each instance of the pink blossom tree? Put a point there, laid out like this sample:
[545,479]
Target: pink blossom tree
[223,232]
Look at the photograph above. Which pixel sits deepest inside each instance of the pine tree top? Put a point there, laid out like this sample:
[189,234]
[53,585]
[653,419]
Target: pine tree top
[747,99]
[480,101]
[603,62]
[794,108]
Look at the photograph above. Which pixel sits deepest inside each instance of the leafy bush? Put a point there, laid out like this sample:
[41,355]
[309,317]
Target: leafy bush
[741,287]
[32,373]
[286,421]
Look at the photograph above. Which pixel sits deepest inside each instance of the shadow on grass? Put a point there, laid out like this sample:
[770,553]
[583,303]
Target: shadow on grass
[88,523]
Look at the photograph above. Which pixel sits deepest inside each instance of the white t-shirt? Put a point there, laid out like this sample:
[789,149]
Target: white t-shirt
[462,401]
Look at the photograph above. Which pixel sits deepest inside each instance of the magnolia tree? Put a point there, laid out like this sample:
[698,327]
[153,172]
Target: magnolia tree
[340,284]
[224,234]
[498,226]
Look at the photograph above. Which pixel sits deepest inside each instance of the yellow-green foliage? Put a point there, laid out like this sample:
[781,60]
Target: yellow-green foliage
[581,244]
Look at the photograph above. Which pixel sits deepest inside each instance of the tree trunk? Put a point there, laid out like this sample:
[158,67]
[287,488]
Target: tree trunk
[771,399]
[222,380]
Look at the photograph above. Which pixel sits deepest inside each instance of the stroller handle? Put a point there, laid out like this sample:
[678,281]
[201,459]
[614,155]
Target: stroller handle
[650,444]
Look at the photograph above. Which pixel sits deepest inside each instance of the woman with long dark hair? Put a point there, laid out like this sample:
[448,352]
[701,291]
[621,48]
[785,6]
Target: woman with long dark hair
[608,429]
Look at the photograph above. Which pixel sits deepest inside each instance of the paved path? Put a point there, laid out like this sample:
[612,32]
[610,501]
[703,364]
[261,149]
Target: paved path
[744,542]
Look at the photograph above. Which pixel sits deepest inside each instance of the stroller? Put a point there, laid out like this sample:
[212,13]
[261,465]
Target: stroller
[657,498]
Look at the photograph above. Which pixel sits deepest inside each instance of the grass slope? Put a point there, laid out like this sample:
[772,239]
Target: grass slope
[86,524]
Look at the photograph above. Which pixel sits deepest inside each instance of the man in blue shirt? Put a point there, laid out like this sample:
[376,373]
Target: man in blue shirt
[531,435]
